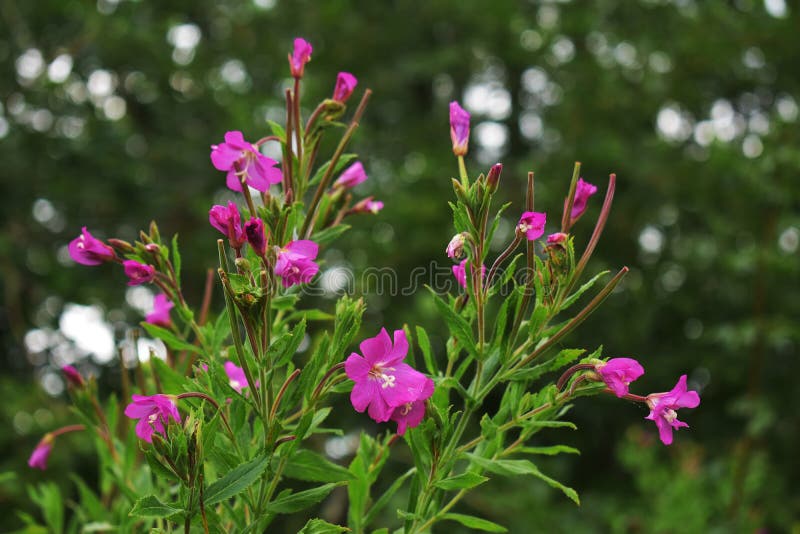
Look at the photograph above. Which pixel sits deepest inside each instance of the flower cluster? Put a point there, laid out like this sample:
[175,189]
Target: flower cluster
[385,386]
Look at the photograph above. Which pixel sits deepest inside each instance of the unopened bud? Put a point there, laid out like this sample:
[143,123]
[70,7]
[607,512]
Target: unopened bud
[455,249]
[493,178]
[254,230]
[73,377]
[121,245]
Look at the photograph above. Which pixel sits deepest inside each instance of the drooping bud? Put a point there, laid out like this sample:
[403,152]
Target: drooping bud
[559,239]
[367,205]
[493,178]
[38,459]
[254,229]
[88,250]
[459,129]
[583,190]
[228,221]
[73,377]
[618,373]
[345,85]
[455,249]
[301,54]
[121,245]
[532,225]
[352,176]
[138,273]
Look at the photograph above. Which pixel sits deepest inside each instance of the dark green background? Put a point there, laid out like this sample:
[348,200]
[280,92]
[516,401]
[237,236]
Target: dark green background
[629,87]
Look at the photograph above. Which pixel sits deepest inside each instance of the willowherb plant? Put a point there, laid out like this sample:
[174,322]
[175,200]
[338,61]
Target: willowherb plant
[221,435]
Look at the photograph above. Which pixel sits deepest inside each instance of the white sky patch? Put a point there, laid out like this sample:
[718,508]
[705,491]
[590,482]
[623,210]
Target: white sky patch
[146,346]
[30,64]
[60,68]
[776,8]
[139,298]
[651,239]
[84,325]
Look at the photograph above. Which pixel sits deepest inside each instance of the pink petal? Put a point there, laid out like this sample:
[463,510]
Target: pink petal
[233,182]
[304,247]
[363,393]
[356,368]
[224,156]
[400,349]
[375,348]
[379,410]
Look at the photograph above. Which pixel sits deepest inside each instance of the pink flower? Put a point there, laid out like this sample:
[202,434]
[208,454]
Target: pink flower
[239,158]
[532,224]
[153,412]
[455,248]
[88,250]
[352,176]
[459,129]
[618,373]
[382,381]
[460,272]
[236,377]
[254,229]
[38,459]
[345,84]
[228,221]
[367,205]
[138,273]
[663,405]
[299,57]
[73,377]
[295,263]
[411,414]
[583,190]
[160,314]
[557,239]
[493,178]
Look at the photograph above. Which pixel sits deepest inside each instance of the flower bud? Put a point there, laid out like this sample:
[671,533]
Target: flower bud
[351,176]
[88,250]
[254,229]
[459,129]
[345,84]
[138,273]
[38,459]
[559,239]
[455,249]
[583,190]
[73,377]
[493,178]
[121,245]
[301,54]
[227,220]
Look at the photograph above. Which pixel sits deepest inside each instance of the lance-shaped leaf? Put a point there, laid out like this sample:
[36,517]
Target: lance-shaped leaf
[236,481]
[150,506]
[294,502]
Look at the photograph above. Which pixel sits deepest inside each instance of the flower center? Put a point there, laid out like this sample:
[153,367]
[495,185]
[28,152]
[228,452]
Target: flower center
[670,415]
[235,384]
[406,408]
[387,380]
[152,418]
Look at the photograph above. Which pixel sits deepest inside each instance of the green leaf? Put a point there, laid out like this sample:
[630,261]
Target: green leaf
[236,480]
[457,325]
[176,259]
[581,290]
[318,526]
[171,381]
[521,467]
[323,237]
[282,350]
[150,506]
[277,130]
[549,451]
[48,497]
[170,339]
[463,481]
[288,504]
[471,521]
[384,499]
[425,346]
[308,465]
[566,356]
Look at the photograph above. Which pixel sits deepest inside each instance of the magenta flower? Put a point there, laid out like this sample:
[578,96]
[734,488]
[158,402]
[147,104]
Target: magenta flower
[455,248]
[160,314]
[382,381]
[345,85]
[228,221]
[38,459]
[153,412]
[254,229]
[459,129]
[352,176]
[88,250]
[618,373]
[532,224]
[138,273]
[296,264]
[583,190]
[242,159]
[73,377]
[460,272]
[299,57]
[663,408]
[236,377]
[411,414]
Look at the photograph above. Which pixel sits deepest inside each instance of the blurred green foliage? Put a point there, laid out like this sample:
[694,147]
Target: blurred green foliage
[109,108]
